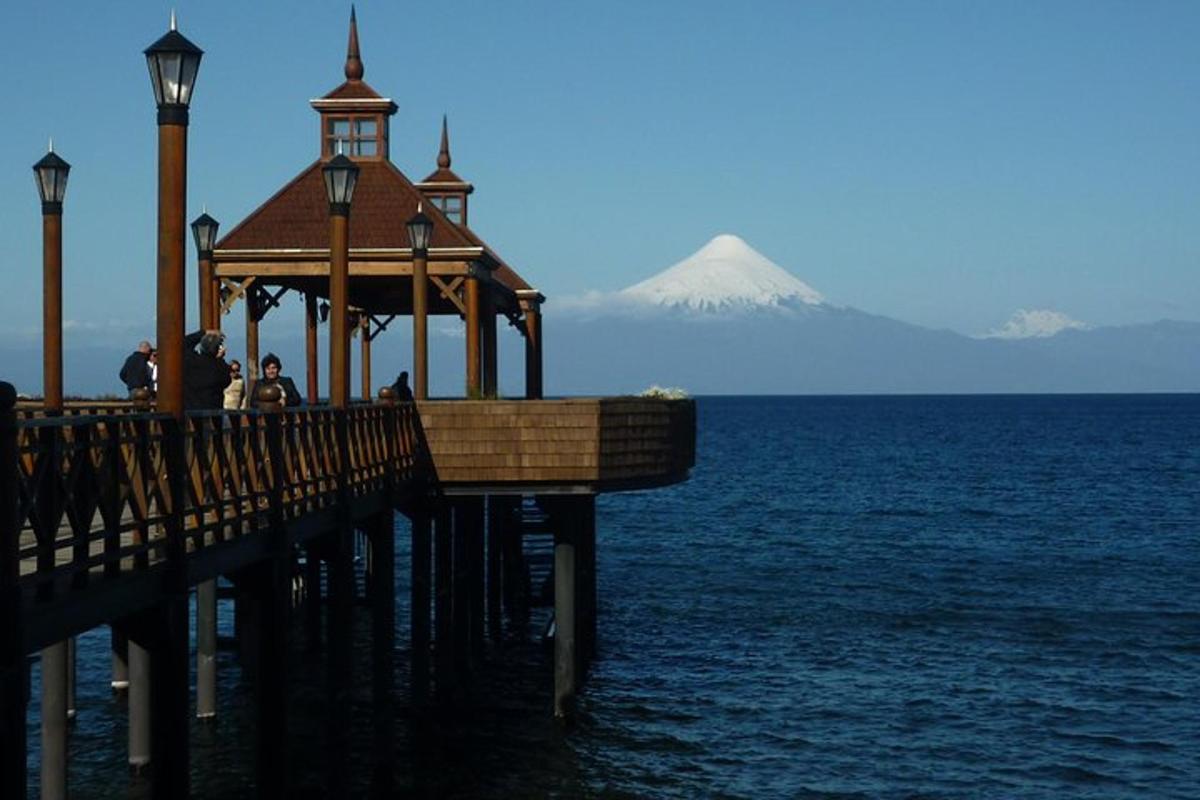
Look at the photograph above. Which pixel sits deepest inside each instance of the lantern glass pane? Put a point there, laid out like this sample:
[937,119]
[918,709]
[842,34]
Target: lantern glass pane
[155,79]
[169,66]
[187,79]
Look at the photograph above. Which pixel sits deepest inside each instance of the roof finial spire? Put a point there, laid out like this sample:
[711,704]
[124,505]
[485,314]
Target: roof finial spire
[173,19]
[51,148]
[354,65]
[443,160]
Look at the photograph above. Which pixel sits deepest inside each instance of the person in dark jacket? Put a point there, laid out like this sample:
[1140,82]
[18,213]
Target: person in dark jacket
[205,373]
[271,366]
[135,372]
[401,388]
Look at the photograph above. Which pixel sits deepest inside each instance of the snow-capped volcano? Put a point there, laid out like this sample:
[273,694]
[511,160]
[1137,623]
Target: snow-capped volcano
[725,275]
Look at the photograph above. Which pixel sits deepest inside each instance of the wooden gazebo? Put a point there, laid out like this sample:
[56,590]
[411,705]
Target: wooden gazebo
[284,245]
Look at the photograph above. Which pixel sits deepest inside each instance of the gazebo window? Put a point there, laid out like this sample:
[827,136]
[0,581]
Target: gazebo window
[352,136]
[451,205]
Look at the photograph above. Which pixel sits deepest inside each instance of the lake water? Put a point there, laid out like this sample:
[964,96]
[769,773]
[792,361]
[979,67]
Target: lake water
[853,597]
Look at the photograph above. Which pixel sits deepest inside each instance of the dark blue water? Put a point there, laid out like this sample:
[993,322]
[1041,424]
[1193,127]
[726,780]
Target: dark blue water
[957,597]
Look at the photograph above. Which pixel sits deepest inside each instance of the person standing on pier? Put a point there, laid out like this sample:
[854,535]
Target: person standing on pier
[401,388]
[271,366]
[205,373]
[135,372]
[235,392]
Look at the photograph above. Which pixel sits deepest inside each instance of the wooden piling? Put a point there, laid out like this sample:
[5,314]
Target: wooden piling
[381,532]
[443,556]
[565,588]
[206,650]
[54,721]
[497,507]
[419,608]
[120,660]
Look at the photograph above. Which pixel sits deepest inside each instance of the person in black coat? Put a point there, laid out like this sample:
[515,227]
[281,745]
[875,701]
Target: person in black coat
[271,366]
[205,373]
[401,388]
[135,372]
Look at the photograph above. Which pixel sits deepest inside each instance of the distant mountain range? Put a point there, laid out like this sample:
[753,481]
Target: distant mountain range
[725,320]
[728,320]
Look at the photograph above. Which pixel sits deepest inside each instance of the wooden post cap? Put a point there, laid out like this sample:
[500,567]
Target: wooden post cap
[141,398]
[8,396]
[268,397]
[387,396]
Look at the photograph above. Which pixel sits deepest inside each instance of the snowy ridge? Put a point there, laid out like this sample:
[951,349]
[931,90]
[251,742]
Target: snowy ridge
[1038,323]
[725,275]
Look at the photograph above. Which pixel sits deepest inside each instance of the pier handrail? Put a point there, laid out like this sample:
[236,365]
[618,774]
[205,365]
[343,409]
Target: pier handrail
[95,498]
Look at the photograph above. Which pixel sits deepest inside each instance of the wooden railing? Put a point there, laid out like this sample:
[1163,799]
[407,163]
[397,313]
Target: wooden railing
[101,495]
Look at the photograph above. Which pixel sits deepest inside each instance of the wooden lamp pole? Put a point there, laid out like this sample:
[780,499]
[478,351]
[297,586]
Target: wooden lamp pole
[341,175]
[420,230]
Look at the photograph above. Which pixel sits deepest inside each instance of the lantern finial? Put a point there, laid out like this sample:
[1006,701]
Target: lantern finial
[173,26]
[354,65]
[50,149]
[443,160]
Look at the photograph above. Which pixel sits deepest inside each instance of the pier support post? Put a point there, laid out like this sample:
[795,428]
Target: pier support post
[516,576]
[444,601]
[496,517]
[138,707]
[120,660]
[381,532]
[71,664]
[265,593]
[206,650]
[422,551]
[586,558]
[474,542]
[14,670]
[461,583]
[340,620]
[312,597]
[54,721]
[159,669]
[565,588]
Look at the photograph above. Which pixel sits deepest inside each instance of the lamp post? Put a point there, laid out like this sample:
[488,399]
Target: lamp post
[341,175]
[51,173]
[420,230]
[204,230]
[173,62]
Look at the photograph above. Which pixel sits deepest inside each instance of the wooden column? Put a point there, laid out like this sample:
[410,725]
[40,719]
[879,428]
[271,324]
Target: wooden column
[365,332]
[172,193]
[252,317]
[420,326]
[310,346]
[206,650]
[565,589]
[210,315]
[382,538]
[533,346]
[497,517]
[422,549]
[444,600]
[490,372]
[471,296]
[475,574]
[339,285]
[52,372]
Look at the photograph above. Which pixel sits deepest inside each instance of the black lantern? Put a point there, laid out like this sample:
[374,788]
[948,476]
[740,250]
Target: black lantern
[173,63]
[204,229]
[420,230]
[51,174]
[341,174]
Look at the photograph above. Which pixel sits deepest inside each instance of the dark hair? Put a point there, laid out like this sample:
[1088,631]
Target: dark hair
[236,363]
[271,358]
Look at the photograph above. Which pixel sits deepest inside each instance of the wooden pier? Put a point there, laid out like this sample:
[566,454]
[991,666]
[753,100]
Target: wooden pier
[111,517]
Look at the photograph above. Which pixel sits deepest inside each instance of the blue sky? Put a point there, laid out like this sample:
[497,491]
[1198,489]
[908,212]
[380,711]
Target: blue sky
[945,163]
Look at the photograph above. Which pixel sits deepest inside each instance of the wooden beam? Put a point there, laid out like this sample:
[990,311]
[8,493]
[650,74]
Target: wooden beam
[450,292]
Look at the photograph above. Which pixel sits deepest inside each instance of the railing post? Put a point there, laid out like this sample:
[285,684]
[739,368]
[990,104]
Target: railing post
[13,683]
